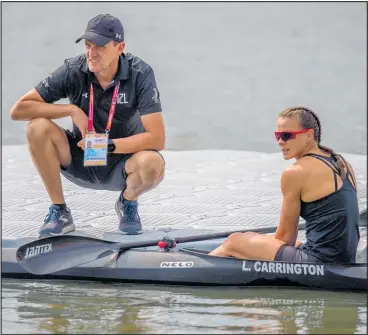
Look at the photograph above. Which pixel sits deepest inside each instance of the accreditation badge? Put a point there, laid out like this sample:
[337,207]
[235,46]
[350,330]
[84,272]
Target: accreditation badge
[95,149]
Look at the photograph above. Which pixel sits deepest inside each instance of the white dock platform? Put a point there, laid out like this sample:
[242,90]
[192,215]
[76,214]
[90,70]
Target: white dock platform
[211,190]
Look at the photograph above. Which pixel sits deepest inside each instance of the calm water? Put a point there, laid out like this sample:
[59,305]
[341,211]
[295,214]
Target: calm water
[224,72]
[80,307]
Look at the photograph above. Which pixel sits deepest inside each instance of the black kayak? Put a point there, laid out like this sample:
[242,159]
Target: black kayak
[190,264]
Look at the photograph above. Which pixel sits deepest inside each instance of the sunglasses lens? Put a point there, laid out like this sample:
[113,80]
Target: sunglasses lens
[285,136]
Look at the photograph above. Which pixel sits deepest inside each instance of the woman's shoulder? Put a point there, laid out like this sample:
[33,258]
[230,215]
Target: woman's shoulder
[294,173]
[298,167]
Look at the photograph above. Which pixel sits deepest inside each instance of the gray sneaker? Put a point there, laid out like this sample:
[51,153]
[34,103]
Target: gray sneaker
[130,222]
[57,222]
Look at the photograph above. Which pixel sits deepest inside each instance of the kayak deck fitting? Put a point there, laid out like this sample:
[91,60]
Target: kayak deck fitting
[203,192]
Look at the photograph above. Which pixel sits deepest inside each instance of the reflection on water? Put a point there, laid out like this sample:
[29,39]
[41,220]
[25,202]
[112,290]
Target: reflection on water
[89,307]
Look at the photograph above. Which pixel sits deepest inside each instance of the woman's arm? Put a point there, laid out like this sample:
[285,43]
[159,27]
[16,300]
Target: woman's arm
[291,185]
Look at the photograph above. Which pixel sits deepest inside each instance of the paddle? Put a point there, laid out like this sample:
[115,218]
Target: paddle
[57,253]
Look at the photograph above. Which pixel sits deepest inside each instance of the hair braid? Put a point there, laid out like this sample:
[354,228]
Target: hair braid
[309,119]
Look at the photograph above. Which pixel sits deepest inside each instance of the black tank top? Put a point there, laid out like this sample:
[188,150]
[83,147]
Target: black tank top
[332,222]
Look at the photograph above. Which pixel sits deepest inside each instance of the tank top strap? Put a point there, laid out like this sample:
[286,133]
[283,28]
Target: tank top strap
[348,173]
[325,160]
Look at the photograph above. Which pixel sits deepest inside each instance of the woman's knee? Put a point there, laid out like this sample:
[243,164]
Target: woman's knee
[234,240]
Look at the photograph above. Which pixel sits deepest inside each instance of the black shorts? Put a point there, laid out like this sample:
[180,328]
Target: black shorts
[290,254]
[111,177]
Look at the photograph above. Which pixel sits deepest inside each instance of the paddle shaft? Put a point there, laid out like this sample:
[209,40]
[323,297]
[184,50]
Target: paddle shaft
[194,238]
[211,236]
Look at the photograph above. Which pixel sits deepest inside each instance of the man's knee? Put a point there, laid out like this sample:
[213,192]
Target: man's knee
[150,165]
[38,129]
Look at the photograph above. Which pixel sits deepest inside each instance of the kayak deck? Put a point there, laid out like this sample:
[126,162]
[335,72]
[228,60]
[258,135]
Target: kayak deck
[190,264]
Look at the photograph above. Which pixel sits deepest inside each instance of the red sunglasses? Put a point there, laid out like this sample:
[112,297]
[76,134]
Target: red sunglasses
[289,135]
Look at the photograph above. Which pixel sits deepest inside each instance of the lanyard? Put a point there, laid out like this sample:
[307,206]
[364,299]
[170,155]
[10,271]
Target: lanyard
[112,108]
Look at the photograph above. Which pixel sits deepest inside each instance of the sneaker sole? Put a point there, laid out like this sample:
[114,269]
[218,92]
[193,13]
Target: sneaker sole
[136,232]
[65,230]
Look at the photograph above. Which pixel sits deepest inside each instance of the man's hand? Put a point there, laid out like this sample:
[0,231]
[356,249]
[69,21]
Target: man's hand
[82,141]
[80,119]
[81,144]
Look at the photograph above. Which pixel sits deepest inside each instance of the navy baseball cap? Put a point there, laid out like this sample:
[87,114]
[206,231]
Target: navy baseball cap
[103,29]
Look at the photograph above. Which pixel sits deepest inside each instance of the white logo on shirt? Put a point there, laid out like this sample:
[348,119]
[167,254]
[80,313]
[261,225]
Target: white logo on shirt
[85,95]
[155,96]
[122,99]
[45,83]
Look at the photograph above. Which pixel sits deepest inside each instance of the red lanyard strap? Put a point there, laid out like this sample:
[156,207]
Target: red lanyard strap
[112,108]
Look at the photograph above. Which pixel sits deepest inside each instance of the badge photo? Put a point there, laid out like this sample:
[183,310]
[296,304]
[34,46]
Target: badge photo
[95,149]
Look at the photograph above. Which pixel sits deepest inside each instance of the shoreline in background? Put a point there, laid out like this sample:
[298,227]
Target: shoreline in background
[213,150]
[216,94]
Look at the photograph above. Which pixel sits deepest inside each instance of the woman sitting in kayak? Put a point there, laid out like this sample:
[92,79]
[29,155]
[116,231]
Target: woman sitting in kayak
[320,187]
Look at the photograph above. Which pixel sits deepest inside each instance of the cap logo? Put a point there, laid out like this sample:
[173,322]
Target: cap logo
[118,36]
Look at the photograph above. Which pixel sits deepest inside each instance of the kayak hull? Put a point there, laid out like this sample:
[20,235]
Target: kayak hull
[191,265]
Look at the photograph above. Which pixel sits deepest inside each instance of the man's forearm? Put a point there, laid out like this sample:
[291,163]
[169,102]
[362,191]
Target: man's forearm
[138,142]
[29,109]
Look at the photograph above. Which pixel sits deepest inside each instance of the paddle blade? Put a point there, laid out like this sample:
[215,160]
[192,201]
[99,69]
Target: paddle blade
[53,254]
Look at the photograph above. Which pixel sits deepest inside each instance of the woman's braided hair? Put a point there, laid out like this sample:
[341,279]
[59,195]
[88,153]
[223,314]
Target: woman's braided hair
[308,119]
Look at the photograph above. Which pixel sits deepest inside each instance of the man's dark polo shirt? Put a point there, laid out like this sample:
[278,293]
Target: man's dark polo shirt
[138,93]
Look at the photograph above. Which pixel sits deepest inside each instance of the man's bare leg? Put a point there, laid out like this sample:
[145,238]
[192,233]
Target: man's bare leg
[49,148]
[145,170]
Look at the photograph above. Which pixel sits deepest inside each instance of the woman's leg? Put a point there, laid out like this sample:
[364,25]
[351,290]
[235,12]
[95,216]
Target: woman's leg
[249,245]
